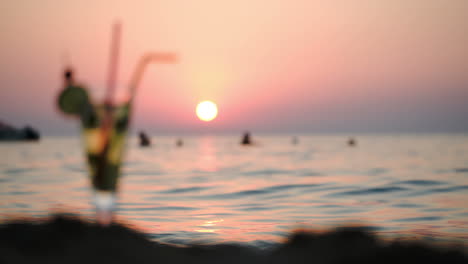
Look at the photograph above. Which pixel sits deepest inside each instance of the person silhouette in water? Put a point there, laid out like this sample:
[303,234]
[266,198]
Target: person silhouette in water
[246,139]
[295,140]
[351,142]
[144,139]
[179,142]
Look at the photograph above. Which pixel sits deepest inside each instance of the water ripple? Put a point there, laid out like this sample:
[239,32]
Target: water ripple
[440,190]
[267,172]
[419,219]
[185,190]
[377,171]
[75,168]
[255,209]
[408,205]
[158,208]
[18,170]
[421,182]
[306,172]
[450,189]
[20,193]
[267,190]
[143,173]
[379,190]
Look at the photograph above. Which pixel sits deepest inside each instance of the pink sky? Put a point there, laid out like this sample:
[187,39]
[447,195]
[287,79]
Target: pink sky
[299,66]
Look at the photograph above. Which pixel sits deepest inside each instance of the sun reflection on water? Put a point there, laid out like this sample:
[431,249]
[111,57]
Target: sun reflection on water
[207,160]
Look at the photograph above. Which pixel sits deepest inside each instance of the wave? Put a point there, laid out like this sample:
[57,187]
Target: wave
[370,191]
[262,191]
[421,182]
[419,219]
[186,190]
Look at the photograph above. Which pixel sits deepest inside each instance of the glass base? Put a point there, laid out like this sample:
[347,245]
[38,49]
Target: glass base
[104,202]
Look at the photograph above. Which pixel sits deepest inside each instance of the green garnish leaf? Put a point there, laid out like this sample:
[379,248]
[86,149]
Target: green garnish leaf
[73,99]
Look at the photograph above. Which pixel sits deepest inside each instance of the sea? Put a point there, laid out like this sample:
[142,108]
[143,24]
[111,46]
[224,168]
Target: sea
[213,190]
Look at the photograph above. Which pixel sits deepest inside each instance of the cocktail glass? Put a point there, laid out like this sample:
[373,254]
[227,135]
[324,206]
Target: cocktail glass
[105,126]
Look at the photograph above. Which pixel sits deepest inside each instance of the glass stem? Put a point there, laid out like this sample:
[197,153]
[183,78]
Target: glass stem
[105,204]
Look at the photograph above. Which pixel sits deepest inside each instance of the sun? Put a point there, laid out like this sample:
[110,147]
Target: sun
[207,111]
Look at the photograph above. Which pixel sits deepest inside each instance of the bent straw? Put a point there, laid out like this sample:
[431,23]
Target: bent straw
[141,66]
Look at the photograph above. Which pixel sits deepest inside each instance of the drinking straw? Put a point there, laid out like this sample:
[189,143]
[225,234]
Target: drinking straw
[141,66]
[104,203]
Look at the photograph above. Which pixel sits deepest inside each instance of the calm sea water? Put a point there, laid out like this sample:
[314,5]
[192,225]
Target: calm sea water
[214,190]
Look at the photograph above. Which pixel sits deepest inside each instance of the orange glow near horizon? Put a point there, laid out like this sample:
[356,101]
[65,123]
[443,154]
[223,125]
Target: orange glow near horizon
[207,111]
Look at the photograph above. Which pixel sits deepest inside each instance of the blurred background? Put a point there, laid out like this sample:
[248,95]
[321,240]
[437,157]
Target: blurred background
[357,111]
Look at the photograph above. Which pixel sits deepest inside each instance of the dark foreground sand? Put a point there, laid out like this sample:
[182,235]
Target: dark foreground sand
[70,240]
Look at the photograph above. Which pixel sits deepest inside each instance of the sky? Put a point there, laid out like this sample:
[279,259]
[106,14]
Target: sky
[365,66]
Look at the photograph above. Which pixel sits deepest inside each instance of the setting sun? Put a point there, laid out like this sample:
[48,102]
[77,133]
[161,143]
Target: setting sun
[207,111]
